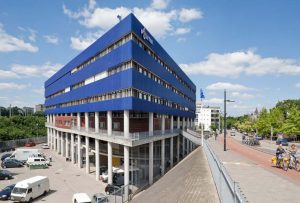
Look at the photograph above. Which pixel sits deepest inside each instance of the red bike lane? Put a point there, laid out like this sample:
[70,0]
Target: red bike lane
[260,158]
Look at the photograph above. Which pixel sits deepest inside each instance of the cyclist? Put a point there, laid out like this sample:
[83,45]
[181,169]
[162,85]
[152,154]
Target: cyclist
[292,152]
[279,152]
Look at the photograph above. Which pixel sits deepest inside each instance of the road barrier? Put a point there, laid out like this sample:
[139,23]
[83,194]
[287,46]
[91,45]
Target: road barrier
[12,144]
[228,190]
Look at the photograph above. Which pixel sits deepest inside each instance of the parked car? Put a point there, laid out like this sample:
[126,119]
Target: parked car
[30,144]
[4,156]
[5,192]
[81,198]
[115,190]
[232,133]
[11,163]
[45,146]
[22,154]
[29,189]
[112,189]
[259,137]
[37,161]
[5,175]
[100,198]
[282,141]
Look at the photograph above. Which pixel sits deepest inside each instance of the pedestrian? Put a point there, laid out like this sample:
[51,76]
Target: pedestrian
[50,158]
[216,136]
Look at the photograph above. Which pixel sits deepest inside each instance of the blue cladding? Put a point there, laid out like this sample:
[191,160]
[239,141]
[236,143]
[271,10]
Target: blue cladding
[122,80]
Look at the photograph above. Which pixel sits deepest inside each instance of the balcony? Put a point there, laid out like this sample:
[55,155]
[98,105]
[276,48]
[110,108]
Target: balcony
[133,139]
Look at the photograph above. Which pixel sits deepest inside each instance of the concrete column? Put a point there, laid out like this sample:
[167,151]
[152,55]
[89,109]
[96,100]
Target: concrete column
[86,121]
[171,152]
[97,157]
[183,147]
[163,126]
[48,119]
[126,170]
[178,122]
[72,149]
[67,145]
[58,143]
[62,144]
[150,163]
[79,154]
[109,123]
[126,123]
[150,123]
[78,120]
[87,157]
[178,146]
[54,119]
[96,122]
[48,135]
[163,156]
[172,124]
[54,140]
[109,162]
[183,123]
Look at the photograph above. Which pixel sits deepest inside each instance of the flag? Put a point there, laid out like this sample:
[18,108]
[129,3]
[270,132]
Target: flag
[201,94]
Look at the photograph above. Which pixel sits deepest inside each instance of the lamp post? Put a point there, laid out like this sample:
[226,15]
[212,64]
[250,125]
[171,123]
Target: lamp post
[225,126]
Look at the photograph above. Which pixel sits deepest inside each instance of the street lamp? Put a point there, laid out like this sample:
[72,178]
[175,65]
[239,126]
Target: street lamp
[225,127]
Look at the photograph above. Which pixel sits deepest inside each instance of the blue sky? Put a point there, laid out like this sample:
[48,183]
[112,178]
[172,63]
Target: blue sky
[251,48]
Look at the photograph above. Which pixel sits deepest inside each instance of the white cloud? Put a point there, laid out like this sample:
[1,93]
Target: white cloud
[297,85]
[186,15]
[159,4]
[159,22]
[52,39]
[3,98]
[9,43]
[5,74]
[47,69]
[32,35]
[240,95]
[246,62]
[182,31]
[214,101]
[81,42]
[181,39]
[39,91]
[11,86]
[228,86]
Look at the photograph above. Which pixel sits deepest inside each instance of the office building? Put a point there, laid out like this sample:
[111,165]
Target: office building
[207,116]
[121,102]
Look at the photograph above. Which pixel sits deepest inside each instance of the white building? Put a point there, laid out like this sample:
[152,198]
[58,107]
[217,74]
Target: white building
[207,116]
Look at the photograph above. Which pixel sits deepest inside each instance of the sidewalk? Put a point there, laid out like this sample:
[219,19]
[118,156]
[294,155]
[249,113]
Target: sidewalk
[258,184]
[189,182]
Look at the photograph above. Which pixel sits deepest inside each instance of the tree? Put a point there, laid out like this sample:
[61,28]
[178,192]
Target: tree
[292,124]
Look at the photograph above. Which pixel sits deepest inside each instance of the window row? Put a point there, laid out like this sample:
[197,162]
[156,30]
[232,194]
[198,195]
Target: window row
[160,81]
[129,92]
[161,62]
[102,53]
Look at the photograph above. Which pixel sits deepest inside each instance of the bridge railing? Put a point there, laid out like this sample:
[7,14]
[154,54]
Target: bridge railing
[228,190]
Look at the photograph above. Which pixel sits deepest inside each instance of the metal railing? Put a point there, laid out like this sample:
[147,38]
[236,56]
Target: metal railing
[228,190]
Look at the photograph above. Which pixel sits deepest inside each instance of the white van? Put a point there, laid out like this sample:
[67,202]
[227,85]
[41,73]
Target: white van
[29,189]
[22,154]
[81,198]
[37,161]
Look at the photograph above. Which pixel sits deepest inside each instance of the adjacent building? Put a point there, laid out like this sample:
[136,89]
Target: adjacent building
[39,108]
[122,102]
[207,116]
[28,110]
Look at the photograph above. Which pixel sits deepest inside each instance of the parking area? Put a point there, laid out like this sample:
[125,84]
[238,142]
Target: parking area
[65,179]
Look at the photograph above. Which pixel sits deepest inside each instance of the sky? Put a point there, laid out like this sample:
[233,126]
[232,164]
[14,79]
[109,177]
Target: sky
[250,48]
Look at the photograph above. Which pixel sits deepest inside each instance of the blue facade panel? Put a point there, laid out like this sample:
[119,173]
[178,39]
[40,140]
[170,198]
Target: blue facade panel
[112,59]
[117,81]
[136,28]
[122,80]
[109,105]
[139,55]
[142,82]
[107,39]
[146,106]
